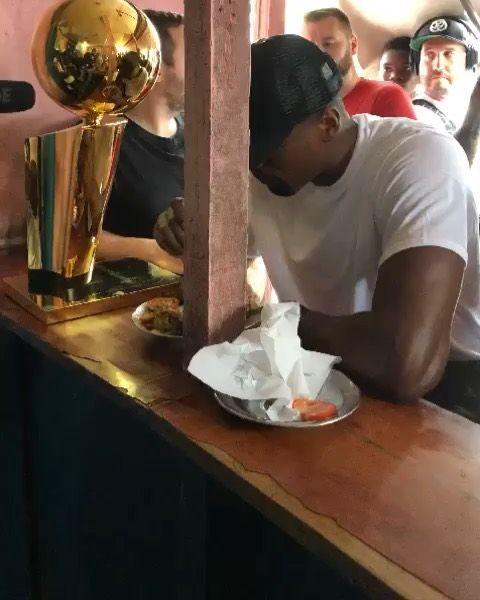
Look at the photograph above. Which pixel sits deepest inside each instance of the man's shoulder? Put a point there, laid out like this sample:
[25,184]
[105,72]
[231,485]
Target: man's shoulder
[405,128]
[428,116]
[133,131]
[136,137]
[393,139]
[375,85]
[434,113]
[387,88]
[388,99]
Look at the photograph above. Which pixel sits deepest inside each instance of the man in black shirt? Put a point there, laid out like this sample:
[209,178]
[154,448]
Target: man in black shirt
[150,167]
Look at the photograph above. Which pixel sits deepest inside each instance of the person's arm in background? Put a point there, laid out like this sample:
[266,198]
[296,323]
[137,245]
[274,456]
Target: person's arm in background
[469,133]
[393,101]
[115,247]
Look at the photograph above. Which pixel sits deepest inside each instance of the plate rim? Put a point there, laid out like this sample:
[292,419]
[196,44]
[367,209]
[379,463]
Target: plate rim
[136,321]
[296,424]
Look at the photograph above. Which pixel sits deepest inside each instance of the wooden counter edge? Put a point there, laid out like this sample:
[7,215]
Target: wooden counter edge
[320,534]
[307,526]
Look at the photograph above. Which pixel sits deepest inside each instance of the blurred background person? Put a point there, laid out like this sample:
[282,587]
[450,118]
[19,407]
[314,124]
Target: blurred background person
[395,64]
[444,52]
[150,167]
[330,29]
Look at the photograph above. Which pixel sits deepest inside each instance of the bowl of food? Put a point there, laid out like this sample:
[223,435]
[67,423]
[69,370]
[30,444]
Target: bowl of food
[164,317]
[160,316]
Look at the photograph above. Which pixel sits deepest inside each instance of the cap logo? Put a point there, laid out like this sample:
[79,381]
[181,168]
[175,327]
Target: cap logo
[438,26]
[327,71]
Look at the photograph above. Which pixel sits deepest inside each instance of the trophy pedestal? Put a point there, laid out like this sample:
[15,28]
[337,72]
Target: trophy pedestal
[115,284]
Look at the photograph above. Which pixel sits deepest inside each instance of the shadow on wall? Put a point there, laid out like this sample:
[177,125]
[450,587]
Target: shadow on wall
[17,22]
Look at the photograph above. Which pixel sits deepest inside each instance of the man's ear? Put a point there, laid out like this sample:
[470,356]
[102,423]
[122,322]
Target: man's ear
[354,44]
[329,124]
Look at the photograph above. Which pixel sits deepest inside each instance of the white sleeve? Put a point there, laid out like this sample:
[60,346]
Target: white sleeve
[426,200]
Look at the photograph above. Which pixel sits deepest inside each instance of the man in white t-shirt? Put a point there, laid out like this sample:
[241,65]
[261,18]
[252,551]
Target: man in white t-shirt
[371,225]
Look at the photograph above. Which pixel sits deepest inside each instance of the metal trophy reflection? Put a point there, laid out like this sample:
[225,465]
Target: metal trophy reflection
[97,58]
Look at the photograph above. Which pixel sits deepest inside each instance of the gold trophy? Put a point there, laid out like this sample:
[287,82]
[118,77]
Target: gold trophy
[98,59]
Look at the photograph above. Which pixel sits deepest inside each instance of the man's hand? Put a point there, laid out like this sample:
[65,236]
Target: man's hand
[168,230]
[159,257]
[114,247]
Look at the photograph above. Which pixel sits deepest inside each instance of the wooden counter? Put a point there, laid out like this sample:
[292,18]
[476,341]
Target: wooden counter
[390,495]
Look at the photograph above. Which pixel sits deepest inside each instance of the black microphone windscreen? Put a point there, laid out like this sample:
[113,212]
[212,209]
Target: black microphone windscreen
[16,96]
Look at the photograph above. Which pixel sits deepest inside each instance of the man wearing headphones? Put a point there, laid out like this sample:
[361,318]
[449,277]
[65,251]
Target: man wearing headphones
[444,53]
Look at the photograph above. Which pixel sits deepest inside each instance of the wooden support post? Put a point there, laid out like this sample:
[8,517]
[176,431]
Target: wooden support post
[216,170]
[270,18]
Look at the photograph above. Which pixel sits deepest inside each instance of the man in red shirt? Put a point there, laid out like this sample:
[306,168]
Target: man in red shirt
[331,31]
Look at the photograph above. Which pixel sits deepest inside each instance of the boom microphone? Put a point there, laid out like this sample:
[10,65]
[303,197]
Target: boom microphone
[16,96]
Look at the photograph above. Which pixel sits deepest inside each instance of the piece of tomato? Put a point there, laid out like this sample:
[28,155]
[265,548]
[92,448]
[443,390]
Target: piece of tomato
[314,410]
[301,403]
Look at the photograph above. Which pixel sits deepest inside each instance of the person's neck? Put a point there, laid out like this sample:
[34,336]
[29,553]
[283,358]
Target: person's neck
[154,115]
[341,151]
[350,80]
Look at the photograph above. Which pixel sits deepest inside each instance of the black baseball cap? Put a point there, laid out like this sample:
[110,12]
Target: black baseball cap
[452,28]
[291,80]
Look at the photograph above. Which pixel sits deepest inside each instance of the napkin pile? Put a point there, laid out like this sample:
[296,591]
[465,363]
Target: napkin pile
[264,364]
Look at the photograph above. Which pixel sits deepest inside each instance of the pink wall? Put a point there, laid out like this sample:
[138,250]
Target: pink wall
[17,22]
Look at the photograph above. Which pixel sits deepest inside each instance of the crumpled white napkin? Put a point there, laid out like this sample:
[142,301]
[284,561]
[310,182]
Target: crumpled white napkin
[266,363]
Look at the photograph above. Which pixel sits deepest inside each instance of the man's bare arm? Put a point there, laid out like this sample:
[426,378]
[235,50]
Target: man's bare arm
[399,349]
[114,247]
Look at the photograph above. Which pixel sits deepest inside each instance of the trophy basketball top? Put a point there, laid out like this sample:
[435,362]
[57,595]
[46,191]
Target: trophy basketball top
[96,57]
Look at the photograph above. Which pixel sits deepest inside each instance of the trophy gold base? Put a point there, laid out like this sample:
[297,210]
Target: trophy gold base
[49,283]
[114,284]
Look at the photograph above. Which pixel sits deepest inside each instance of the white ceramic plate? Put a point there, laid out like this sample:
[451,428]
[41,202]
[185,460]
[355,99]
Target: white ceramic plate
[136,318]
[253,320]
[338,389]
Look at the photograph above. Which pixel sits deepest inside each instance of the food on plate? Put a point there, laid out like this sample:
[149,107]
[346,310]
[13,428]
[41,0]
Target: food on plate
[314,410]
[164,315]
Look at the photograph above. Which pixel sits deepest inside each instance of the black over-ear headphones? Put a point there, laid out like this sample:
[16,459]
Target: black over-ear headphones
[454,28]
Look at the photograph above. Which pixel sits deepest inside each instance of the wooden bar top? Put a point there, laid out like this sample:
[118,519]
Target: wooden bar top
[391,494]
